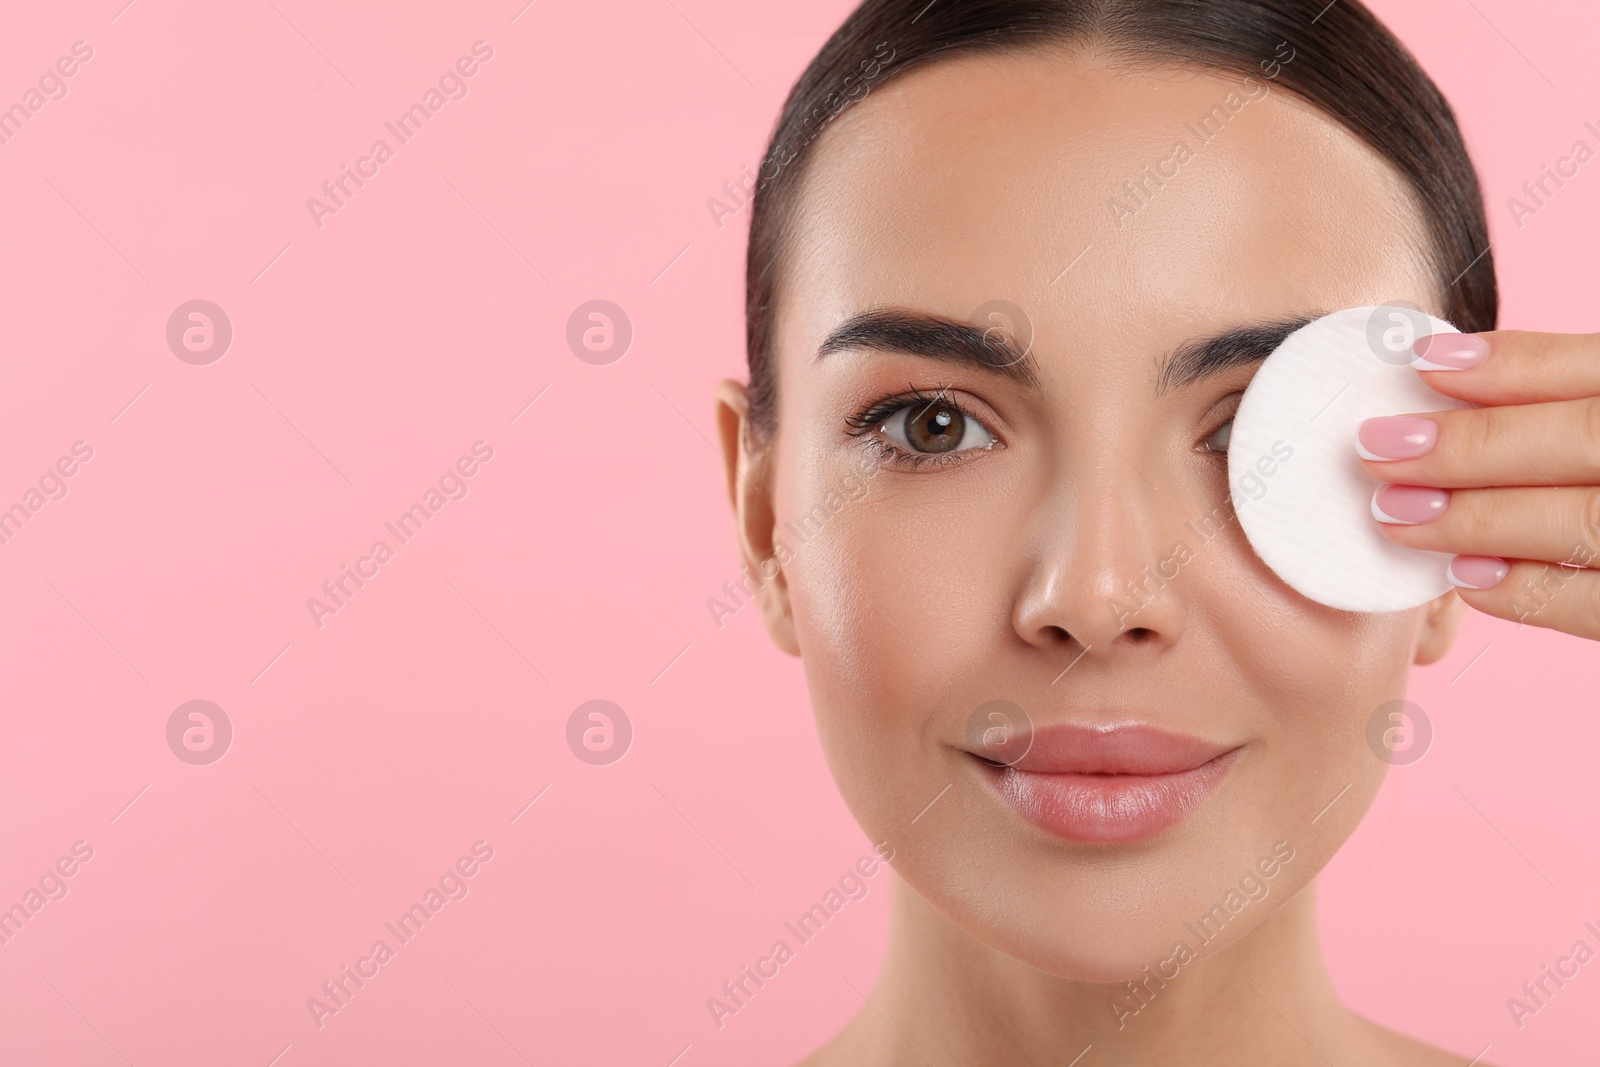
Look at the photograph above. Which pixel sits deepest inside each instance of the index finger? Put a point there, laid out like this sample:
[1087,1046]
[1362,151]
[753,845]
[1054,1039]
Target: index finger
[1510,366]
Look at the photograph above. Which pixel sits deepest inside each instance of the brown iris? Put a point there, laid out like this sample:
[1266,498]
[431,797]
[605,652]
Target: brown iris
[935,427]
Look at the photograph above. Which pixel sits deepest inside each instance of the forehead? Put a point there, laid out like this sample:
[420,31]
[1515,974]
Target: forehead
[1125,209]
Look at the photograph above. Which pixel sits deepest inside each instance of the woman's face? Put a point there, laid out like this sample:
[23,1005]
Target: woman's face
[1057,534]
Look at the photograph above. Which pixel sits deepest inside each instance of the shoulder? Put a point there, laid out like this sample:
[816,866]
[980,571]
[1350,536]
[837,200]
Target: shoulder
[1403,1051]
[865,1039]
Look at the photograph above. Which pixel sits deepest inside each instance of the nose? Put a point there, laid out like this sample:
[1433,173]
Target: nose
[1105,577]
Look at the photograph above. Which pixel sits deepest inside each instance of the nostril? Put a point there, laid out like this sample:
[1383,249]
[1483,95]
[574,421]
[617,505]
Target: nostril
[1140,634]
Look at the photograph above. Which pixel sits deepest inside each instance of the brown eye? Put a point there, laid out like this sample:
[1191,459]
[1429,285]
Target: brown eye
[935,426]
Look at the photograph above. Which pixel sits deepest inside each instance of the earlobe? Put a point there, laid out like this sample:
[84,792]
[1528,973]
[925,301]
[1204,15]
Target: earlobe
[1436,632]
[749,486]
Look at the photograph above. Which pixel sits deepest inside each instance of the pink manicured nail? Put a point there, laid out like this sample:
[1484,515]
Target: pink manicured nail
[1408,505]
[1396,437]
[1449,351]
[1478,572]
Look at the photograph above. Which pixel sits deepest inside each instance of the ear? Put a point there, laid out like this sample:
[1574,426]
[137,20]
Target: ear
[1436,632]
[747,469]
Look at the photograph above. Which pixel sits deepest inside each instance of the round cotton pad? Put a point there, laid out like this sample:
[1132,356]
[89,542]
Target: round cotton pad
[1302,496]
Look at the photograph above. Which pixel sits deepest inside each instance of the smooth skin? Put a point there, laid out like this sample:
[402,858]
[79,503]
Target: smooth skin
[915,590]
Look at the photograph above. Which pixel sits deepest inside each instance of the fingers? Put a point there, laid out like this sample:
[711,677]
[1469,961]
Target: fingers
[1510,366]
[1551,443]
[1511,485]
[1556,525]
[1543,594]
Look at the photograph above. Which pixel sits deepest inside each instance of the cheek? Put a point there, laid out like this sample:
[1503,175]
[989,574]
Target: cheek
[861,617]
[896,610]
[1315,674]
[1297,652]
[903,585]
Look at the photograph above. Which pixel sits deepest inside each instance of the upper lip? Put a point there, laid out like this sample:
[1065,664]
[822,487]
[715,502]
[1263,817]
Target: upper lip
[1132,748]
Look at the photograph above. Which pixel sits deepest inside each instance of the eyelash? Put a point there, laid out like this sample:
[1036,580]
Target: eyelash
[875,414]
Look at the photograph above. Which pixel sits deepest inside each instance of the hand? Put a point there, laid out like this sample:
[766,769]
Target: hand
[1511,485]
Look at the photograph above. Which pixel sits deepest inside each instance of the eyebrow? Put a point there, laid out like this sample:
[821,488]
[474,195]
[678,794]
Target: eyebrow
[936,337]
[1242,346]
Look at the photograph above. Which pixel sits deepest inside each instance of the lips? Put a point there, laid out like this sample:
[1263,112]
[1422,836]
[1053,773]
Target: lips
[1112,784]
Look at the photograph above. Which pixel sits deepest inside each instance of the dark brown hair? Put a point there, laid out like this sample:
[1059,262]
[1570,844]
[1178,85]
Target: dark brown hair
[1345,63]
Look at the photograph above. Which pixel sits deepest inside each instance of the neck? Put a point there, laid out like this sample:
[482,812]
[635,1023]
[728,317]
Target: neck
[946,996]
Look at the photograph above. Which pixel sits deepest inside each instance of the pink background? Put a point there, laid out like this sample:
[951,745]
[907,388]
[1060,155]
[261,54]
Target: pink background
[369,754]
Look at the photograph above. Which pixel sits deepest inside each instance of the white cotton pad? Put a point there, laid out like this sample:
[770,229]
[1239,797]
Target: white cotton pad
[1302,496]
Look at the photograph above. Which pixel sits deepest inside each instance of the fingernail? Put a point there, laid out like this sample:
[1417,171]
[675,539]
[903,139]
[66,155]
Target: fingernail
[1408,505]
[1449,351]
[1478,572]
[1396,437]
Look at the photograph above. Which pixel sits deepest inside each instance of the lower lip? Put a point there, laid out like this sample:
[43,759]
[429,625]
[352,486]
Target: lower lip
[1108,808]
